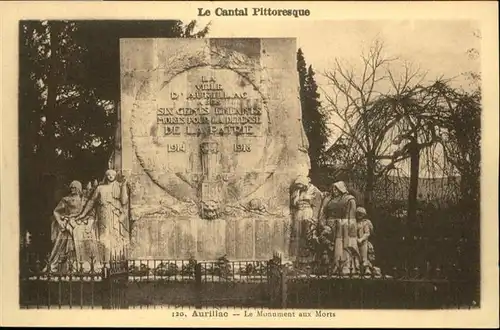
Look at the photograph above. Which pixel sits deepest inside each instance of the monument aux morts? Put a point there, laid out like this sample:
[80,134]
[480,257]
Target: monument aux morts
[211,139]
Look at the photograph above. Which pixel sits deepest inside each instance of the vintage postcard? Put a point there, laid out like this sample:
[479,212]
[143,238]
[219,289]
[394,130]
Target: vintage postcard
[249,164]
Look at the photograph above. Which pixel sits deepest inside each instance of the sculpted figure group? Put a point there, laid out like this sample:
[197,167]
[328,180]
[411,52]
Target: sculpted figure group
[91,225]
[329,228]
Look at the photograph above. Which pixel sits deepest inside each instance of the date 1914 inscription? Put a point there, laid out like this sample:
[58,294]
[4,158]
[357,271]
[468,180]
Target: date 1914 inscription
[176,147]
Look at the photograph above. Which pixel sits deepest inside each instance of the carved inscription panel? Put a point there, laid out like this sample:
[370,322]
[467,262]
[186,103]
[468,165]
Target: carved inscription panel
[207,127]
[221,104]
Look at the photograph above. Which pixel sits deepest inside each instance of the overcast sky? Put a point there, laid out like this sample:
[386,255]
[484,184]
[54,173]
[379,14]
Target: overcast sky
[438,47]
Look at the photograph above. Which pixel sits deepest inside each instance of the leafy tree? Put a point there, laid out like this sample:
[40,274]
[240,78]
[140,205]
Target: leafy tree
[69,91]
[102,42]
[313,116]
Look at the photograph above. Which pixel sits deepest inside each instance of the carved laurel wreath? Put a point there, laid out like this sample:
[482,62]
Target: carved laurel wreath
[181,62]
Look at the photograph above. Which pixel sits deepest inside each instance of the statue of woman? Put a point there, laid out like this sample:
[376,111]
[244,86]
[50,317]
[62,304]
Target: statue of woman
[109,200]
[338,213]
[305,200]
[63,251]
[85,236]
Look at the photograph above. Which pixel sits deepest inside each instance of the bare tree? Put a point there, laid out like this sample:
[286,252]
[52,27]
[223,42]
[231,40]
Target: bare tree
[459,134]
[364,106]
[417,110]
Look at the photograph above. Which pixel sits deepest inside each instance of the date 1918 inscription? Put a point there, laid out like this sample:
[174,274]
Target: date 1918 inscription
[241,147]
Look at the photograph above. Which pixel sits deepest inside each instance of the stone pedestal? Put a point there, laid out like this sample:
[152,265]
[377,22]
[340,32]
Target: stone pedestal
[250,238]
[210,141]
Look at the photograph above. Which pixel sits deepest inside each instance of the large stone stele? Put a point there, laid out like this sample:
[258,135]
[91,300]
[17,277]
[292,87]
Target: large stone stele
[211,139]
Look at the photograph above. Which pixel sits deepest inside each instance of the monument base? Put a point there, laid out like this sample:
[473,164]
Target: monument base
[252,237]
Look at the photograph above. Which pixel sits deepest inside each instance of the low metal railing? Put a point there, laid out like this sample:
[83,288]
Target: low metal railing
[141,283]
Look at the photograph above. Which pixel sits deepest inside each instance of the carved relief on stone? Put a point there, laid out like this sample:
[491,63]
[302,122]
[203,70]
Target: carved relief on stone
[231,58]
[211,186]
[256,204]
[210,178]
[209,210]
[207,172]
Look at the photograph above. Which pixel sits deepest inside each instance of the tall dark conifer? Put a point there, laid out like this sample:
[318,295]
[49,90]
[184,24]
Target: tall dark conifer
[313,117]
